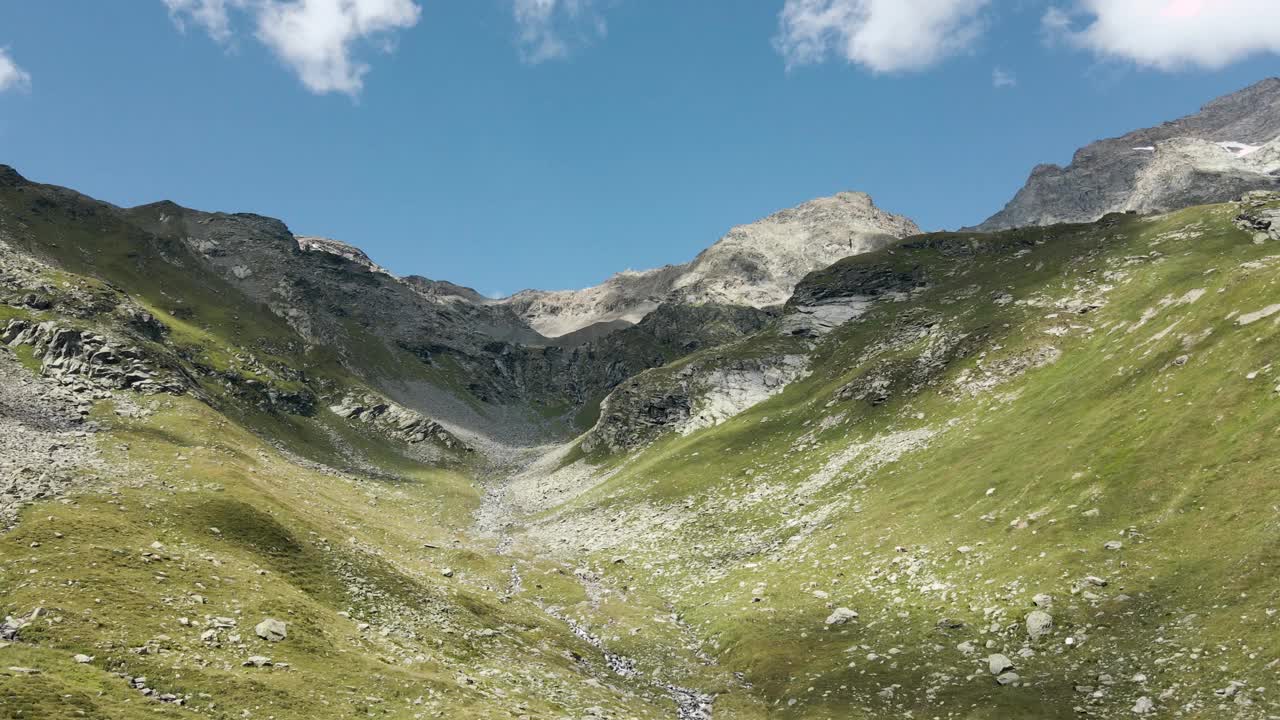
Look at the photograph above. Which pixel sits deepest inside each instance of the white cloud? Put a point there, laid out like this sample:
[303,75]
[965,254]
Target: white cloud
[543,24]
[1170,34]
[882,35]
[1002,78]
[1055,25]
[317,39]
[12,77]
[213,15]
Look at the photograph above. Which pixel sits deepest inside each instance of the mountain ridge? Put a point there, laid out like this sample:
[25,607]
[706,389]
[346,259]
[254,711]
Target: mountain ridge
[1110,175]
[756,265]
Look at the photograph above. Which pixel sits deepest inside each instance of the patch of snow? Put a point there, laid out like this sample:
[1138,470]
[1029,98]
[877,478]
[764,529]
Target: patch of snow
[1239,149]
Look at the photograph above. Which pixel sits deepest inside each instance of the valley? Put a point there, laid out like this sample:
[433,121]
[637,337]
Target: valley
[835,467]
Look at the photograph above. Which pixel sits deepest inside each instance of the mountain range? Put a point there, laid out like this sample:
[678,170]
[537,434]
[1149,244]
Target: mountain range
[833,467]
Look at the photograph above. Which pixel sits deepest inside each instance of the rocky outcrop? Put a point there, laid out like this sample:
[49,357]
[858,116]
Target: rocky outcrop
[754,265]
[688,398]
[739,385]
[341,249]
[832,296]
[445,290]
[1230,147]
[395,420]
[1260,216]
[70,354]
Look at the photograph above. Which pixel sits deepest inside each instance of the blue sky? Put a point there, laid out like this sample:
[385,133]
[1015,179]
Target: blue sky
[506,144]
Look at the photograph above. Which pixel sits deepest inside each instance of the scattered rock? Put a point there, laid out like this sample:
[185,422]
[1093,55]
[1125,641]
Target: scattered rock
[271,630]
[1039,624]
[841,616]
[1009,678]
[999,664]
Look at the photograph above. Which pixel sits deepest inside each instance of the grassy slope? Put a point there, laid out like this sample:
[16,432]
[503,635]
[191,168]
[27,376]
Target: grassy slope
[1154,423]
[258,536]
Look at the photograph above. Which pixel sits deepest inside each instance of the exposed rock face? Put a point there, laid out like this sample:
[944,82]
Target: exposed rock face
[832,296]
[626,297]
[754,265]
[737,386]
[445,290]
[395,420]
[688,398]
[1231,146]
[341,249]
[71,354]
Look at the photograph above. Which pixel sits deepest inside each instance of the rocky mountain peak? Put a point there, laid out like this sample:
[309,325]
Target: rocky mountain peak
[10,177]
[755,265]
[1227,148]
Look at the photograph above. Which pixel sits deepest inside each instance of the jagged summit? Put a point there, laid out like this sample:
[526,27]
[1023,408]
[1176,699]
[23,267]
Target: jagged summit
[754,265]
[1231,146]
[10,177]
[341,249]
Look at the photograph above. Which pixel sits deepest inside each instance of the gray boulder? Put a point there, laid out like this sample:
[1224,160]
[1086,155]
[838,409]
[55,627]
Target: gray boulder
[1039,624]
[271,630]
[999,664]
[841,616]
